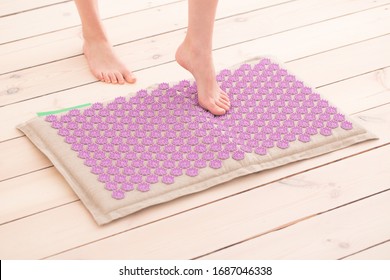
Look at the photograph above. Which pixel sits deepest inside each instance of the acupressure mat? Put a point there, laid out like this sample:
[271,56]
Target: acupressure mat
[152,140]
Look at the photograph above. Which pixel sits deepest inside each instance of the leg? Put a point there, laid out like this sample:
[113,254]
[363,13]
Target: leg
[195,55]
[102,60]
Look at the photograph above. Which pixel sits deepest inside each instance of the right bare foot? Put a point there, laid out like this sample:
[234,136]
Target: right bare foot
[104,63]
[210,96]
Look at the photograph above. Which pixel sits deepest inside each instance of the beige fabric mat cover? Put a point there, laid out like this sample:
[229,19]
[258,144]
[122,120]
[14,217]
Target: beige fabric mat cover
[105,209]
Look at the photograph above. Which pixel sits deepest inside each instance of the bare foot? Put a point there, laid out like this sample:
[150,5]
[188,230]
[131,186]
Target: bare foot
[210,96]
[104,64]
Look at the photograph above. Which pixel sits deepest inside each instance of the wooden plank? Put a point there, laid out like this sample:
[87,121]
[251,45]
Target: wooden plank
[10,7]
[367,91]
[66,232]
[378,252]
[23,152]
[62,16]
[243,216]
[83,226]
[342,63]
[14,114]
[347,100]
[14,167]
[38,50]
[51,179]
[33,193]
[331,235]
[73,72]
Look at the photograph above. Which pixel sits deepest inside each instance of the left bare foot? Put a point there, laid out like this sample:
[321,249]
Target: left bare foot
[104,64]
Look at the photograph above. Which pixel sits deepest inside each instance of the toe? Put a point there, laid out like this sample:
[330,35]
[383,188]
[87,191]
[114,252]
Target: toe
[113,78]
[119,78]
[225,97]
[218,111]
[222,105]
[215,109]
[223,93]
[106,78]
[98,76]
[129,77]
[224,100]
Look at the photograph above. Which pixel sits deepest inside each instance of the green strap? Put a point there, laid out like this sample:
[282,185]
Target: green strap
[41,114]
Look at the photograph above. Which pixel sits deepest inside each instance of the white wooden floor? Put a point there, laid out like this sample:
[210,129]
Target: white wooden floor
[334,206]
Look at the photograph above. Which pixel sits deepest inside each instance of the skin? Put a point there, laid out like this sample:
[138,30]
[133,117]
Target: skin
[194,54]
[102,60]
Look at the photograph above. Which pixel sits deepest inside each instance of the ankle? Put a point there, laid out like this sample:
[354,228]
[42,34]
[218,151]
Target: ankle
[95,36]
[197,49]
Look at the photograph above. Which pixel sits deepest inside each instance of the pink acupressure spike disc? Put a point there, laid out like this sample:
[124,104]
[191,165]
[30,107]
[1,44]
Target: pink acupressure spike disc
[158,135]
